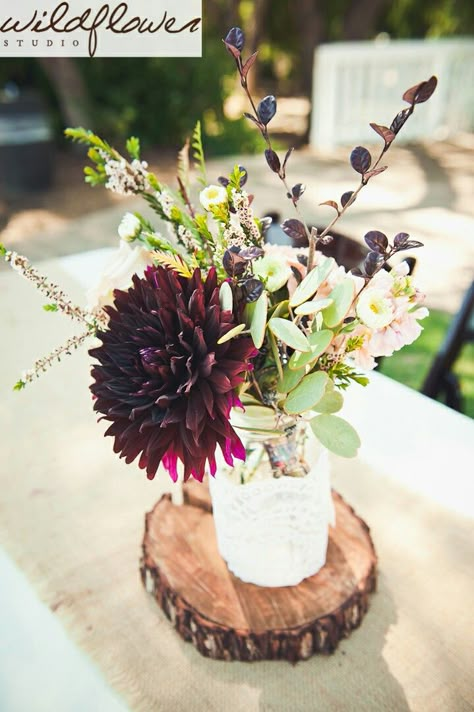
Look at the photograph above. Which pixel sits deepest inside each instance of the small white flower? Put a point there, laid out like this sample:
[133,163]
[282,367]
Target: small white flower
[274,269]
[129,228]
[374,309]
[213,195]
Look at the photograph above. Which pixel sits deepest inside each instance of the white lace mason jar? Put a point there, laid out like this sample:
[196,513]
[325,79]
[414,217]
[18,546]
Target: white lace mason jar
[272,512]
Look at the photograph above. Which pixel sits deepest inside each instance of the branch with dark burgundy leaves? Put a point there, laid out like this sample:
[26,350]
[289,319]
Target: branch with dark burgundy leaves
[261,117]
[380,253]
[360,158]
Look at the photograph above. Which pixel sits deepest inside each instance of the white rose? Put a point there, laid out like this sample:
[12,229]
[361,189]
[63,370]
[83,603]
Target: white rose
[374,309]
[129,227]
[118,274]
[213,195]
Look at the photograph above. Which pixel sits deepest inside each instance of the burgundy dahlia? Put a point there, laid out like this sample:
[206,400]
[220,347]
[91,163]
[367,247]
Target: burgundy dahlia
[163,381]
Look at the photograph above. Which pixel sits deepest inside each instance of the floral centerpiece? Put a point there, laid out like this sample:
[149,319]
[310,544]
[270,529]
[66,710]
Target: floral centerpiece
[212,342]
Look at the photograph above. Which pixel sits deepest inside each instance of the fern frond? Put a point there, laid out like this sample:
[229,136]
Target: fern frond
[183,165]
[175,262]
[194,263]
[198,154]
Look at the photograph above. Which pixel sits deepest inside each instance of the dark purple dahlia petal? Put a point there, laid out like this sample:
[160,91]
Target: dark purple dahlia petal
[162,380]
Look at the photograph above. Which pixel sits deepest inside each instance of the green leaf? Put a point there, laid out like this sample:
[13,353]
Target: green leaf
[342,296]
[3,250]
[248,399]
[19,385]
[332,400]
[154,183]
[259,431]
[235,178]
[336,434]
[254,417]
[94,155]
[155,242]
[290,379]
[312,307]
[256,319]
[361,380]
[200,221]
[89,138]
[95,177]
[289,333]
[319,341]
[311,282]
[133,147]
[349,327]
[275,353]
[280,309]
[50,307]
[226,299]
[230,334]
[309,392]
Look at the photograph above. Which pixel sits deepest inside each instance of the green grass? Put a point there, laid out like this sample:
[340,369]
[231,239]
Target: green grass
[411,364]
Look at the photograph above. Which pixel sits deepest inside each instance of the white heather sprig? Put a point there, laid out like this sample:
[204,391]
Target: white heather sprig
[165,202]
[240,201]
[42,364]
[54,293]
[234,235]
[123,177]
[187,239]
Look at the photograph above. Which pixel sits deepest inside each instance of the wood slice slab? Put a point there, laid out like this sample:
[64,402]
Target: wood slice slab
[227,619]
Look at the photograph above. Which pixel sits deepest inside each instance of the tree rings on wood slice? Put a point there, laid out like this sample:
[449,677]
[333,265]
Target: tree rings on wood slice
[228,619]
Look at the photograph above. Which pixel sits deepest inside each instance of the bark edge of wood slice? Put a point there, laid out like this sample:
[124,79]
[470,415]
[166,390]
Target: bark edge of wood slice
[227,619]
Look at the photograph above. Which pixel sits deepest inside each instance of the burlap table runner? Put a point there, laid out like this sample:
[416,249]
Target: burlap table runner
[72,515]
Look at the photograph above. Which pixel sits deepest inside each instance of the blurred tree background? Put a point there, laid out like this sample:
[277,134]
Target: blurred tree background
[160,99]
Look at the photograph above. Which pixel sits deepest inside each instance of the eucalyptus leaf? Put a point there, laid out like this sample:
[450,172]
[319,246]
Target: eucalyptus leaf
[255,417]
[342,296]
[281,309]
[312,307]
[230,334]
[331,402]
[307,394]
[336,434]
[319,341]
[259,431]
[256,319]
[289,333]
[290,379]
[311,282]
[226,299]
[248,399]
